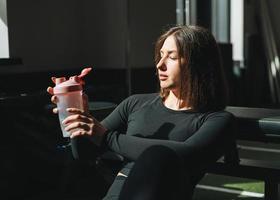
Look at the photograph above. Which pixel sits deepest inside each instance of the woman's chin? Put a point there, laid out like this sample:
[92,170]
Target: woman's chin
[166,86]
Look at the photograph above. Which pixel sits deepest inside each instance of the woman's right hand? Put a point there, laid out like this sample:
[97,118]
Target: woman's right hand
[80,119]
[82,123]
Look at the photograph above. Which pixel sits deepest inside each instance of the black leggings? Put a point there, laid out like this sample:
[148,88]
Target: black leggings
[159,173]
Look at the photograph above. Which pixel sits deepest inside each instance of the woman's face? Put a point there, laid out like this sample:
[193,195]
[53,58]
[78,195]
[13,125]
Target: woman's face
[169,67]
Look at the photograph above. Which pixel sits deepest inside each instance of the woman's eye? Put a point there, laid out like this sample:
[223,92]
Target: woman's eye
[173,57]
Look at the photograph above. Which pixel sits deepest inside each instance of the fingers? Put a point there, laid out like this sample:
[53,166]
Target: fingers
[75,110]
[55,110]
[77,118]
[50,90]
[77,133]
[54,99]
[77,125]
[80,124]
[78,111]
[53,79]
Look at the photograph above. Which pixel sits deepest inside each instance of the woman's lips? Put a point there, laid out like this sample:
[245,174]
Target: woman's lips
[162,77]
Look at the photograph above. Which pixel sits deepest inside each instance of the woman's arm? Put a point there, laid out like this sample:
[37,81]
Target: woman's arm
[82,123]
[207,143]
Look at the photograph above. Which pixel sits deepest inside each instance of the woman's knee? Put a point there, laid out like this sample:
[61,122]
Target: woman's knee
[164,170]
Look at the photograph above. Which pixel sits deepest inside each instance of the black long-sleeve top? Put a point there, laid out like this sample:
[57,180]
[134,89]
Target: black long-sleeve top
[141,121]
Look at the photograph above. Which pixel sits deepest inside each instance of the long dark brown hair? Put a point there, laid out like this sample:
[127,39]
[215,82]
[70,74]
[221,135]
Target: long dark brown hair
[203,83]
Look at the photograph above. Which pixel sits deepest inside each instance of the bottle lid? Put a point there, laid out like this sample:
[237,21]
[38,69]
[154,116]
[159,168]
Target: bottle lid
[70,85]
[75,83]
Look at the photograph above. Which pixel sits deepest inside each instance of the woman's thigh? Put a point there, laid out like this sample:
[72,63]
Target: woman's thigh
[159,173]
[115,189]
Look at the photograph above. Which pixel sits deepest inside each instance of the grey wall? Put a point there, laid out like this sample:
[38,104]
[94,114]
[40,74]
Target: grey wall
[103,33]
[252,10]
[44,32]
[4,46]
[274,7]
[61,34]
[147,20]
[3,12]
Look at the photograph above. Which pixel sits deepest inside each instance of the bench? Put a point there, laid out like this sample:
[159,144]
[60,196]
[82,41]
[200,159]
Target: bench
[260,125]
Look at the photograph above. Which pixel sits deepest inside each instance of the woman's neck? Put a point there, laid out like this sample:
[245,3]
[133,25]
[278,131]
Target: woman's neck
[174,102]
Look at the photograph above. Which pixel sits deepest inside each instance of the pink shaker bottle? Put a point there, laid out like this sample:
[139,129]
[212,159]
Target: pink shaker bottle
[69,94]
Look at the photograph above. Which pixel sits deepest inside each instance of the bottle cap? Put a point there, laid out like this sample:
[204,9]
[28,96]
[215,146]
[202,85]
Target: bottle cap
[73,84]
[67,86]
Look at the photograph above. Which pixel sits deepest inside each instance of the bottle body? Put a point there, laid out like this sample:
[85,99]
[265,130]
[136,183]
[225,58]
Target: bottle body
[72,99]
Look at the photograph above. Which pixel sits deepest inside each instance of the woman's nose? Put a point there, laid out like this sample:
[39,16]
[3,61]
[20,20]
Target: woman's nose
[161,63]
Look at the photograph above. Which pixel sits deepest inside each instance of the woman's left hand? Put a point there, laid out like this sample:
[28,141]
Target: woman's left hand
[81,123]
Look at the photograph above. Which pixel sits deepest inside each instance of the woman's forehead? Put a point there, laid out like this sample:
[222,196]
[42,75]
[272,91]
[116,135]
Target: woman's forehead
[169,44]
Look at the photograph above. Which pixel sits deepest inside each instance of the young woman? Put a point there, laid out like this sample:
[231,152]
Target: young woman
[167,139]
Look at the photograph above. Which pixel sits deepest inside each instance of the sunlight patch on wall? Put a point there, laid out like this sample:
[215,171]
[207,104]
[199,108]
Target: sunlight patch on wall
[4,40]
